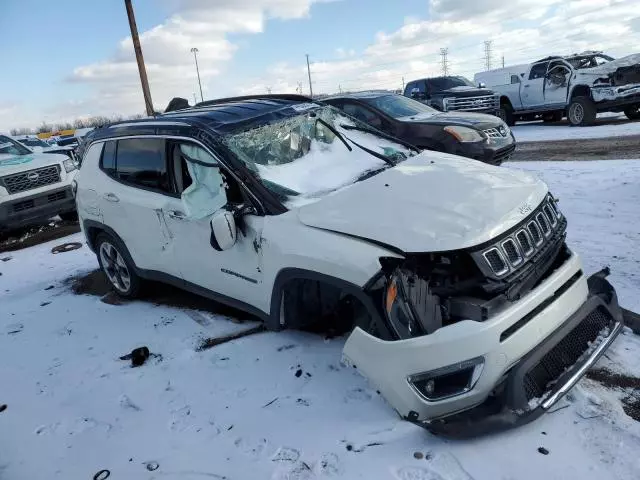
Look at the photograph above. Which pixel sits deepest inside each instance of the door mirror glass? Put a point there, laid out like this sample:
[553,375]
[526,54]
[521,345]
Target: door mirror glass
[223,230]
[482,85]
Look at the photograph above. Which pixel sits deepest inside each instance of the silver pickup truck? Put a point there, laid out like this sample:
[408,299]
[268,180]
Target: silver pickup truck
[578,86]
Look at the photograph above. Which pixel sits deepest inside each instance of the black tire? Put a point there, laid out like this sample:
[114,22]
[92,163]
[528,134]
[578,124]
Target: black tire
[69,216]
[582,112]
[119,270]
[506,114]
[633,112]
[552,117]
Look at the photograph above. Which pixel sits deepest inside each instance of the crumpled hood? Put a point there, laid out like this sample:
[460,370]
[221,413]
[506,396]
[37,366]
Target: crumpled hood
[612,66]
[19,163]
[430,202]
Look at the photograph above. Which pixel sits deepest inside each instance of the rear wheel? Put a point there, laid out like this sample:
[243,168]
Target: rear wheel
[633,112]
[506,114]
[116,267]
[582,112]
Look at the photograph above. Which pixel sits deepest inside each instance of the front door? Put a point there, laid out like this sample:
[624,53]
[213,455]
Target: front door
[532,88]
[556,85]
[204,189]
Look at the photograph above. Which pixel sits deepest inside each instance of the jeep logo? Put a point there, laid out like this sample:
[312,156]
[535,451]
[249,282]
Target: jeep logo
[524,209]
[33,176]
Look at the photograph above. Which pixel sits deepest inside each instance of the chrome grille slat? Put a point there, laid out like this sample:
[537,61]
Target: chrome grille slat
[20,182]
[532,237]
[484,102]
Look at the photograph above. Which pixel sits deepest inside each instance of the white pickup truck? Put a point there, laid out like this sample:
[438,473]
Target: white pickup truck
[578,86]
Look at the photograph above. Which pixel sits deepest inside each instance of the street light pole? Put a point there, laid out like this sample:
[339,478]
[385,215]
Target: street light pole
[138,51]
[194,50]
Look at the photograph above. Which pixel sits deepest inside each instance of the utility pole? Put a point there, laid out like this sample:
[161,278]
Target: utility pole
[309,73]
[340,88]
[487,54]
[402,84]
[138,51]
[502,61]
[444,52]
[195,100]
[194,50]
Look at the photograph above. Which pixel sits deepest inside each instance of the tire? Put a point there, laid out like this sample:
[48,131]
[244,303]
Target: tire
[69,216]
[582,112]
[115,264]
[552,117]
[506,114]
[633,112]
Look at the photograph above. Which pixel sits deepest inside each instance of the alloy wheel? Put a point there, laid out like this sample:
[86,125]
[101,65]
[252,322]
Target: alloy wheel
[115,267]
[576,113]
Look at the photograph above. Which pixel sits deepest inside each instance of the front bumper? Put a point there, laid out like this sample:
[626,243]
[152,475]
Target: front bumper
[490,153]
[535,324]
[616,96]
[37,207]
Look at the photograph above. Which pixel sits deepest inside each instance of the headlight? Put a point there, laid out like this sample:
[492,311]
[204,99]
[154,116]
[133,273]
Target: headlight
[69,165]
[464,134]
[398,311]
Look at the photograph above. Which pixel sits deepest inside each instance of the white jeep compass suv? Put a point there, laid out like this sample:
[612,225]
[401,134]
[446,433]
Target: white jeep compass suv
[465,306]
[34,186]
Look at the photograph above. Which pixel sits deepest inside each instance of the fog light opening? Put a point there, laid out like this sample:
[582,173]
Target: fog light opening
[448,381]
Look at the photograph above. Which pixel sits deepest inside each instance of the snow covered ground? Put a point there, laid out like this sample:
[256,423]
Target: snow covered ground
[607,126]
[279,405]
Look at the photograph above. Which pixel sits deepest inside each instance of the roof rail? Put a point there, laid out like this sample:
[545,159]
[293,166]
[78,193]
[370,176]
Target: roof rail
[274,96]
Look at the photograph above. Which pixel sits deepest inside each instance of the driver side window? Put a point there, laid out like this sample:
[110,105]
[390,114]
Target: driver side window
[198,179]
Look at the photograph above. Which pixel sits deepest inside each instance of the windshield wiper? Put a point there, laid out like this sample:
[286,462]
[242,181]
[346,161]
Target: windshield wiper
[382,157]
[336,133]
[380,134]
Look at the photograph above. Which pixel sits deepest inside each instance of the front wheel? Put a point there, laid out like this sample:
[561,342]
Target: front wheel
[582,112]
[116,267]
[633,112]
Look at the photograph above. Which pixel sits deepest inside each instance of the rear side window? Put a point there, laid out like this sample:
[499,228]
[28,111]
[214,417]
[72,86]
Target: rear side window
[142,162]
[539,70]
[515,79]
[108,162]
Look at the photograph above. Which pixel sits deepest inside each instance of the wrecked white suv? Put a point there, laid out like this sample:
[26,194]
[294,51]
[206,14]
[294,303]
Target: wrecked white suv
[465,307]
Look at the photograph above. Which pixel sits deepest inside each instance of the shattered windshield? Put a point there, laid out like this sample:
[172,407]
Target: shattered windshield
[8,146]
[590,61]
[309,155]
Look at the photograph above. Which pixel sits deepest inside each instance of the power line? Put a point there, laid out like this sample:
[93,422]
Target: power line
[444,63]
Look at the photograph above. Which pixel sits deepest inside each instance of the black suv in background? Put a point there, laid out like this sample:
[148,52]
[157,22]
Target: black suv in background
[474,135]
[454,93]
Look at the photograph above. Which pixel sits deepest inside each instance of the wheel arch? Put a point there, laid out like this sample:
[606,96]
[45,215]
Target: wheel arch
[505,100]
[94,228]
[292,274]
[580,91]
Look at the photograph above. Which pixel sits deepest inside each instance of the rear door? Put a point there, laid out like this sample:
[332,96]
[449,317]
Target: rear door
[532,89]
[135,189]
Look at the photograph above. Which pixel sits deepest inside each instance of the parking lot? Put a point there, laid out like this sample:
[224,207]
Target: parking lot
[281,405]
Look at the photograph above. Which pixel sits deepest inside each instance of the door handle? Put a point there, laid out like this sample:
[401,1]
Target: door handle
[176,214]
[111,197]
[526,86]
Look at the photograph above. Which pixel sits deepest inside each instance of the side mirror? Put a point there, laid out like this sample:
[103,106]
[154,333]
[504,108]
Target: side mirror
[223,230]
[482,85]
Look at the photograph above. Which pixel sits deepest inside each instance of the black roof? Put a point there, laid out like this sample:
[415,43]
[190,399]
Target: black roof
[221,116]
[361,95]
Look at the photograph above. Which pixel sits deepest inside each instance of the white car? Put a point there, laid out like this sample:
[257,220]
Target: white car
[34,186]
[466,308]
[40,146]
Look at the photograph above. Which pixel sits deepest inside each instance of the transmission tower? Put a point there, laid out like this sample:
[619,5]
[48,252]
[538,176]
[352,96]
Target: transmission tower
[444,62]
[487,54]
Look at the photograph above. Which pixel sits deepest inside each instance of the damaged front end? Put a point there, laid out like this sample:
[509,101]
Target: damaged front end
[489,337]
[618,80]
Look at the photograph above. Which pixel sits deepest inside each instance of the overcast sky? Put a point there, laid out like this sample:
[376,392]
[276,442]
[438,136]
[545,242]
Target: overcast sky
[72,58]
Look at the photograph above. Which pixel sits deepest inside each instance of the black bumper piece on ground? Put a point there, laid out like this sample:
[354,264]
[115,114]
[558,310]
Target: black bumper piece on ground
[20,212]
[547,373]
